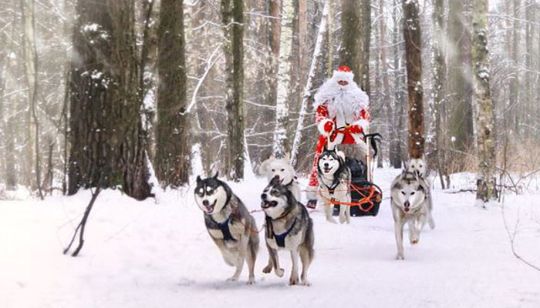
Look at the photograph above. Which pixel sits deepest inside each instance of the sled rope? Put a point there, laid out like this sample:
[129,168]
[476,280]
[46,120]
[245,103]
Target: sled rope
[367,199]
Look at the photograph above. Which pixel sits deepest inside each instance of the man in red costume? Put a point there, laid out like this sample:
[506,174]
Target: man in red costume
[341,115]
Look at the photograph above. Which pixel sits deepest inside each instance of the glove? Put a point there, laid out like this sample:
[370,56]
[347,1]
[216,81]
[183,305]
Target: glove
[326,127]
[359,126]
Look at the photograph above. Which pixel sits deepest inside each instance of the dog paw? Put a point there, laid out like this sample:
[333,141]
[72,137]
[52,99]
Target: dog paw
[232,279]
[294,281]
[280,272]
[251,281]
[267,269]
[414,241]
[331,220]
[343,219]
[400,256]
[306,283]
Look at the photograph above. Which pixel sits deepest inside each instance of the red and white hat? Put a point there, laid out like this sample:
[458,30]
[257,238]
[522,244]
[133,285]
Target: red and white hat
[343,73]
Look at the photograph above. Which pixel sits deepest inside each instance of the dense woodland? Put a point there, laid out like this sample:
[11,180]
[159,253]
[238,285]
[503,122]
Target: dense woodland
[110,93]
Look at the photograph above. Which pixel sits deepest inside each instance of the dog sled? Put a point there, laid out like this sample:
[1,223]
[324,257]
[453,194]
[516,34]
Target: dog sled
[366,196]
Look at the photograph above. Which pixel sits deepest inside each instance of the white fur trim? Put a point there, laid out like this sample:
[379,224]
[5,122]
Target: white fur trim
[320,127]
[362,123]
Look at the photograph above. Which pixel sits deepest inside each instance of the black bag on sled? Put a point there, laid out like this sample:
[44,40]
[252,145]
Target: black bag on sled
[361,189]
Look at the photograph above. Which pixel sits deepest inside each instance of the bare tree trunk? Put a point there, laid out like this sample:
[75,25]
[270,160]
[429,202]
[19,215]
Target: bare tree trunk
[460,124]
[439,71]
[31,69]
[233,23]
[528,113]
[514,91]
[413,51]
[281,144]
[316,59]
[107,138]
[485,117]
[173,150]
[355,41]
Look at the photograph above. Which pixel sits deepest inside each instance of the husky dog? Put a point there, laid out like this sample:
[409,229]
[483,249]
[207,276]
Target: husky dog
[419,166]
[409,201]
[282,168]
[334,184]
[229,224]
[288,226]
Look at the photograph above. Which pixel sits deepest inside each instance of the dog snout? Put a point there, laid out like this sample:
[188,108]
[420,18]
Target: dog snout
[407,204]
[326,165]
[264,196]
[206,203]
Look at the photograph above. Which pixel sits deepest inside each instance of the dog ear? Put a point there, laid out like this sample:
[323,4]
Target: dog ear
[263,168]
[199,179]
[216,175]
[287,157]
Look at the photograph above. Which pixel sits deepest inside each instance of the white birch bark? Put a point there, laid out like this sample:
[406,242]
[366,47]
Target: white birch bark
[317,57]
[284,77]
[484,105]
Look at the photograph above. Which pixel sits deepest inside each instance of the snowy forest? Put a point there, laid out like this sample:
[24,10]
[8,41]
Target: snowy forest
[103,89]
[137,98]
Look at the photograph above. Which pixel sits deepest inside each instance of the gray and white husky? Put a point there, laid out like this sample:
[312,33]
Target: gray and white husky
[419,166]
[289,227]
[282,168]
[409,201]
[229,224]
[334,184]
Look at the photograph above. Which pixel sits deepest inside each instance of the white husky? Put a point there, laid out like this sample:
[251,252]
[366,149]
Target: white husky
[282,168]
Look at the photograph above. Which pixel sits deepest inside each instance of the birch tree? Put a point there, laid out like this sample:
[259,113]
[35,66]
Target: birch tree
[482,99]
[413,53]
[281,145]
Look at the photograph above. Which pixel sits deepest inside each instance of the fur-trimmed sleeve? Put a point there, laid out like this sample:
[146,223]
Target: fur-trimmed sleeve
[321,113]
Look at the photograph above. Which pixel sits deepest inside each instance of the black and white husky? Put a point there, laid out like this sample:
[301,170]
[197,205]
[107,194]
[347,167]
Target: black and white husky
[229,224]
[289,227]
[410,204]
[334,184]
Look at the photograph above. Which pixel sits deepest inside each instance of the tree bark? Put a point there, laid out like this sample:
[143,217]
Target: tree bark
[107,138]
[233,24]
[413,52]
[31,71]
[356,37]
[281,144]
[460,123]
[316,59]
[439,72]
[172,129]
[485,117]
[396,113]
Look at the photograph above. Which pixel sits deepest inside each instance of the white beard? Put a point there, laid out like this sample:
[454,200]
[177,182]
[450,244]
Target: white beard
[342,101]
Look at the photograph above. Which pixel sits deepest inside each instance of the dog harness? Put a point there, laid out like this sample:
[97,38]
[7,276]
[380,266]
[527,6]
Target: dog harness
[224,228]
[280,238]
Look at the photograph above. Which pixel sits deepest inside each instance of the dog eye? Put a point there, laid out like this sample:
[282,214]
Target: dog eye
[403,193]
[273,170]
[282,170]
[412,193]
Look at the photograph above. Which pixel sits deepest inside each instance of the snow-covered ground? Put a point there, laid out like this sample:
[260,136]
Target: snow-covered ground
[142,254]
